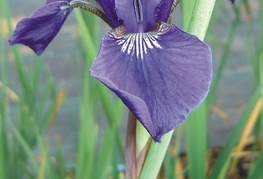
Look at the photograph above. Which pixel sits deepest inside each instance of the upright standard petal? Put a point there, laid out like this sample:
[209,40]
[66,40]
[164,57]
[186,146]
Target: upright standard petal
[126,11]
[160,77]
[162,12]
[39,29]
[137,15]
[110,10]
[148,9]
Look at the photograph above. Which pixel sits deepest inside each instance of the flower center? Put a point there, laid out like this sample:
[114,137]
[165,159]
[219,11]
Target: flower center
[137,45]
[137,15]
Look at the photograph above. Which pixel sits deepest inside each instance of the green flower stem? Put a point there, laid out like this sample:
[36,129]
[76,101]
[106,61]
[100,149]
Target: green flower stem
[198,25]
[200,17]
[142,137]
[137,144]
[155,157]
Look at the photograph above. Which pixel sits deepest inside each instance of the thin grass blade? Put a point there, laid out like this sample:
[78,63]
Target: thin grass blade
[256,172]
[88,130]
[234,136]
[196,140]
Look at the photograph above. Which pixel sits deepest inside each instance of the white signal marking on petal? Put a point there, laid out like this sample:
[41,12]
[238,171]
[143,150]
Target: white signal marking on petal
[148,43]
[125,44]
[131,45]
[144,44]
[138,43]
[141,45]
[154,41]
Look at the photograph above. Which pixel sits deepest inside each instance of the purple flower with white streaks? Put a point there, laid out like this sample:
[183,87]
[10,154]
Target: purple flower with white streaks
[160,72]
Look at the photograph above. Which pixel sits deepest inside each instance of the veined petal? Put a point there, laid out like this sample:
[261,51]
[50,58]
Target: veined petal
[126,11]
[160,76]
[39,29]
[163,10]
[136,13]
[148,13]
[110,10]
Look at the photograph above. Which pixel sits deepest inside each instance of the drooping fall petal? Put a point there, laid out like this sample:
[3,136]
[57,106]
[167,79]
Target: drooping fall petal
[39,29]
[160,77]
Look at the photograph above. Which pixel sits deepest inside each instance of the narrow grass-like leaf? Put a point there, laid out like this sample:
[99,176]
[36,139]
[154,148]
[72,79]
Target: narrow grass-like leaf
[49,91]
[196,139]
[115,172]
[187,9]
[247,131]
[260,126]
[196,122]
[155,157]
[45,166]
[36,74]
[113,111]
[2,139]
[261,45]
[224,57]
[87,40]
[24,145]
[256,172]
[61,173]
[215,14]
[3,99]
[234,136]
[105,154]
[88,130]
[42,169]
[172,163]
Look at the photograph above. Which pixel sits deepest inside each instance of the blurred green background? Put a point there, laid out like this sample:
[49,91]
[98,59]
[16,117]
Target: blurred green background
[57,122]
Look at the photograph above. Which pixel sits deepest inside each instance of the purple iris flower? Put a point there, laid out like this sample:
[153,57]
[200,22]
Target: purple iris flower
[160,72]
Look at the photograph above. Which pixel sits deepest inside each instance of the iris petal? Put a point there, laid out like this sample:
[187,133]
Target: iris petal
[127,11]
[160,77]
[109,9]
[163,9]
[148,13]
[39,29]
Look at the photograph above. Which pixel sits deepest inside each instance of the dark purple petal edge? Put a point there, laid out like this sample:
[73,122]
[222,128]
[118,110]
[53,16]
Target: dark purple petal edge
[109,8]
[162,84]
[163,9]
[40,28]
